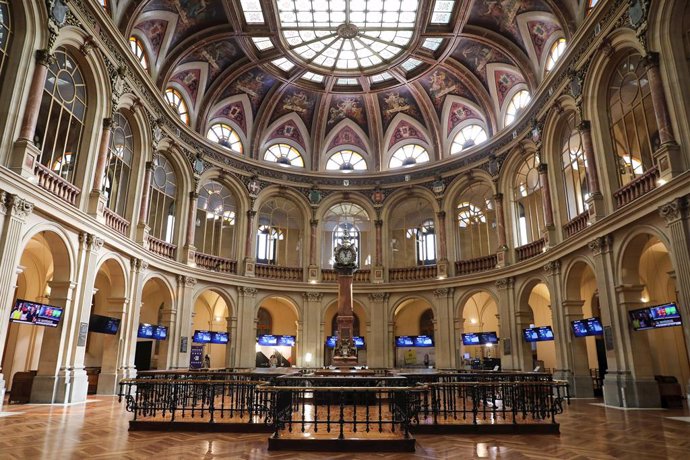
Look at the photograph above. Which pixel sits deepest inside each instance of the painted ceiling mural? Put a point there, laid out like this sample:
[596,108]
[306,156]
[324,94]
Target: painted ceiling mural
[207,49]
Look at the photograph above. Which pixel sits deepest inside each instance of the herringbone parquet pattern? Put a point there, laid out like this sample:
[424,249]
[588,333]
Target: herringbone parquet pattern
[99,431]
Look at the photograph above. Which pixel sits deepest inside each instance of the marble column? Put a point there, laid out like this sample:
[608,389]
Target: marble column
[595,202]
[112,344]
[231,323]
[130,322]
[182,325]
[500,231]
[377,274]
[377,344]
[313,271]
[13,214]
[580,380]
[97,201]
[26,153]
[546,194]
[677,216]
[442,256]
[249,259]
[190,249]
[143,228]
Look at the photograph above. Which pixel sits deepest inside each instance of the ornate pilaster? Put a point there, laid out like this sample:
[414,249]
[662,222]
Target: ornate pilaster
[500,231]
[313,269]
[143,228]
[190,249]
[377,271]
[246,326]
[595,202]
[249,260]
[546,203]
[442,256]
[97,202]
[444,328]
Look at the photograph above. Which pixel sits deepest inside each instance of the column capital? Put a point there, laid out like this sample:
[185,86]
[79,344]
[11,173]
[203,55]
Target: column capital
[505,283]
[441,293]
[91,242]
[149,166]
[314,222]
[312,296]
[379,296]
[193,195]
[543,167]
[674,210]
[44,57]
[251,213]
[245,291]
[600,245]
[378,222]
[498,197]
[651,60]
[108,123]
[15,205]
[553,268]
[584,125]
[441,215]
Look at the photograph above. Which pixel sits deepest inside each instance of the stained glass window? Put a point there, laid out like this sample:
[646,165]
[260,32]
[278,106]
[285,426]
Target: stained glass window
[225,136]
[284,155]
[408,155]
[138,50]
[516,105]
[557,50]
[178,104]
[346,161]
[467,137]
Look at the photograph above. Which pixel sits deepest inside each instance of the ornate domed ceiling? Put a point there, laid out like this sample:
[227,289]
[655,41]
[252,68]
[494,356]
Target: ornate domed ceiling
[368,75]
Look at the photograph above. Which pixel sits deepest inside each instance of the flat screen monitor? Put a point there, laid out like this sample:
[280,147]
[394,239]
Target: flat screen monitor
[220,338]
[530,335]
[538,334]
[160,332]
[104,324]
[665,315]
[587,327]
[34,313]
[145,331]
[286,340]
[201,336]
[267,340]
[332,339]
[404,341]
[423,341]
[470,339]
[486,338]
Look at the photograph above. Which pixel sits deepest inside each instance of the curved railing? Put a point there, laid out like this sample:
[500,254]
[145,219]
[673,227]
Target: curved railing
[162,248]
[576,224]
[637,187]
[479,264]
[56,185]
[215,263]
[530,250]
[423,272]
[114,221]
[279,273]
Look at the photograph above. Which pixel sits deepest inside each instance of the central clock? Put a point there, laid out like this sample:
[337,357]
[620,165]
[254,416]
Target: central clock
[345,255]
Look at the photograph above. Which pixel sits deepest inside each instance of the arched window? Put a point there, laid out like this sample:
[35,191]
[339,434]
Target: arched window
[284,155]
[467,137]
[138,50]
[353,218]
[574,170]
[476,222]
[426,323]
[216,217]
[408,155]
[5,30]
[224,135]
[279,235]
[412,236]
[355,325]
[591,4]
[264,323]
[163,197]
[529,211]
[118,171]
[426,242]
[61,118]
[346,161]
[634,131]
[178,104]
[555,53]
[515,106]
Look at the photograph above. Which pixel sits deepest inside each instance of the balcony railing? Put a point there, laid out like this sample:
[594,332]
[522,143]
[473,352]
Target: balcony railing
[114,221]
[530,250]
[638,187]
[577,224]
[279,273]
[162,248]
[360,276]
[479,264]
[56,185]
[423,272]
[215,263]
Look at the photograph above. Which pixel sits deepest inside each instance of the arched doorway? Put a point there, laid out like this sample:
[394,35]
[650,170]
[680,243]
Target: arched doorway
[103,340]
[212,313]
[32,351]
[411,319]
[156,309]
[359,329]
[479,314]
[281,315]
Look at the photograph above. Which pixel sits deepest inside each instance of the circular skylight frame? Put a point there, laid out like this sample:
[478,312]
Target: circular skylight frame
[347,37]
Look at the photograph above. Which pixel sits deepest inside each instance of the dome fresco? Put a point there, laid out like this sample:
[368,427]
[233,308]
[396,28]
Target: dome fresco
[330,75]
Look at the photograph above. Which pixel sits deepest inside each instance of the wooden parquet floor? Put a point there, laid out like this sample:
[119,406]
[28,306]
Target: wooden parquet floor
[98,430]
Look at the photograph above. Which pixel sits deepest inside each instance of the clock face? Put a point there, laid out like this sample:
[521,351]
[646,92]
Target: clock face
[346,256]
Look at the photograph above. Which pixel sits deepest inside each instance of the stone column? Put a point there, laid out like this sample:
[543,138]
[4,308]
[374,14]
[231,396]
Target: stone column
[546,194]
[112,344]
[97,199]
[13,214]
[231,322]
[190,249]
[377,273]
[595,202]
[143,228]
[310,340]
[378,346]
[166,350]
[510,339]
[390,340]
[246,327]
[249,260]
[442,256]
[444,337]
[313,271]
[26,153]
[130,322]
[677,218]
[500,231]
[668,156]
[182,324]
[580,381]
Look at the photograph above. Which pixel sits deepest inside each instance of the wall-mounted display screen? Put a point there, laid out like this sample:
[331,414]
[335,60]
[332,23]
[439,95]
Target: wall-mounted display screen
[332,339]
[665,315]
[202,336]
[587,327]
[221,338]
[160,332]
[470,339]
[538,334]
[104,324]
[145,331]
[34,313]
[486,338]
[414,341]
[276,340]
[286,340]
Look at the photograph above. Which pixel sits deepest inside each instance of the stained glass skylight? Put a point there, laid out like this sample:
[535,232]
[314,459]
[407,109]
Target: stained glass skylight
[253,13]
[262,43]
[381,77]
[347,34]
[432,43]
[313,77]
[283,64]
[347,81]
[443,11]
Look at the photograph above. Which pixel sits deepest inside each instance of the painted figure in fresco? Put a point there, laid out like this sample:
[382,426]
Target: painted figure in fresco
[346,108]
[395,103]
[296,102]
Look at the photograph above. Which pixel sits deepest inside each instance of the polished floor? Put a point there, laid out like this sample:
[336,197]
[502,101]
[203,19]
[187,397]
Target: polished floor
[98,430]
